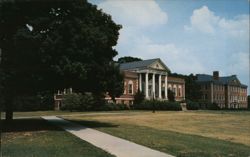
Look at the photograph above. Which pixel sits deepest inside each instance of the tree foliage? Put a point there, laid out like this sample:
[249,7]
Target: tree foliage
[115,78]
[248,101]
[139,98]
[54,44]
[127,59]
[192,88]
[171,95]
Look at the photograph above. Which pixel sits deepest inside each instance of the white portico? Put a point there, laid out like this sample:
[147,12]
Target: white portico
[152,77]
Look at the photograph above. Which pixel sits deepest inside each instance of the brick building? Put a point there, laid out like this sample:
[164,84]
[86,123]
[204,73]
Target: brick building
[150,77]
[227,91]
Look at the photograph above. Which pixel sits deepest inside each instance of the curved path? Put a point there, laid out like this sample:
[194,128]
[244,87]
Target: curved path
[114,145]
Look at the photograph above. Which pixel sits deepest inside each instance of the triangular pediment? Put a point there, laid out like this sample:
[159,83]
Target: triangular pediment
[159,65]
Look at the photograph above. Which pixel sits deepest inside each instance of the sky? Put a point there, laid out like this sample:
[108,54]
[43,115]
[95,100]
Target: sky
[189,36]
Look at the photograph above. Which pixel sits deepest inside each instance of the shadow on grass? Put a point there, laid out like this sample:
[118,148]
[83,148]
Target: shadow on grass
[23,125]
[94,124]
[38,124]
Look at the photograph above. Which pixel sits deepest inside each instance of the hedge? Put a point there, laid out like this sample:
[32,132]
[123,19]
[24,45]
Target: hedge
[158,105]
[191,105]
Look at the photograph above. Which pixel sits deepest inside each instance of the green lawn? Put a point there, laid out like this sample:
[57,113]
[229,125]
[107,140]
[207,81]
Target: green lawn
[49,113]
[196,134]
[37,138]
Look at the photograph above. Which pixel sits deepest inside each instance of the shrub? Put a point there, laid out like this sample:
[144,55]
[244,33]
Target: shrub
[192,105]
[212,106]
[80,102]
[112,107]
[171,95]
[139,97]
[158,105]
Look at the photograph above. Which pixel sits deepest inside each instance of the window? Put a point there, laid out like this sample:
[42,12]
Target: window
[174,90]
[130,87]
[179,92]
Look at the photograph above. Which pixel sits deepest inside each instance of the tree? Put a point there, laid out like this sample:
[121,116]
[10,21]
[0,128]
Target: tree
[127,59]
[248,101]
[171,95]
[139,98]
[192,88]
[115,84]
[54,44]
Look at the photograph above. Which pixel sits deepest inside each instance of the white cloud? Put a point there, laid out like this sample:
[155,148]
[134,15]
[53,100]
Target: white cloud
[175,58]
[238,62]
[135,13]
[238,27]
[205,21]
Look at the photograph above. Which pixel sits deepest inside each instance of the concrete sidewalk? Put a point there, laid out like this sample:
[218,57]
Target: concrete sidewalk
[114,145]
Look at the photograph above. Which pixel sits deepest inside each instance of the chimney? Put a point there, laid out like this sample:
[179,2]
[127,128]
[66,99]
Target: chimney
[216,75]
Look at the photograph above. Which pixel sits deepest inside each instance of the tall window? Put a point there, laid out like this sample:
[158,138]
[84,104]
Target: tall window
[130,87]
[179,91]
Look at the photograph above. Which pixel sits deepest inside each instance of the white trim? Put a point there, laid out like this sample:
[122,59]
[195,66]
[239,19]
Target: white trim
[146,86]
[153,79]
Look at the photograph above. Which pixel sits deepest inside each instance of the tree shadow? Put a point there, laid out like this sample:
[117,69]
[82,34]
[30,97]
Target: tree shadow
[94,124]
[39,124]
[29,124]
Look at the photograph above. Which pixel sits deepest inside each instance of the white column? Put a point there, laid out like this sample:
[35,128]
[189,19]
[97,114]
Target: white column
[159,86]
[146,85]
[153,83]
[140,82]
[166,87]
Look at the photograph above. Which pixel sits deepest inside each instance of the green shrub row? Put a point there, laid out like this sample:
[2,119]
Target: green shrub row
[192,105]
[111,107]
[158,105]
[87,102]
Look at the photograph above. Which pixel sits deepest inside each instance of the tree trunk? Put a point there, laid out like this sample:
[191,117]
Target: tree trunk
[9,110]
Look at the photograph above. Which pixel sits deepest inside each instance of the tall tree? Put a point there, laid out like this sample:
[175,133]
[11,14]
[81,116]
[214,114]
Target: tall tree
[115,84]
[54,44]
[192,88]
[248,101]
[127,59]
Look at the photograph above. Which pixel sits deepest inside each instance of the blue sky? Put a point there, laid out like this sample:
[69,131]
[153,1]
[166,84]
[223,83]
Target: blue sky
[190,36]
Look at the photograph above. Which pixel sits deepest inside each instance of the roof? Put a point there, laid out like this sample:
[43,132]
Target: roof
[175,79]
[140,64]
[222,80]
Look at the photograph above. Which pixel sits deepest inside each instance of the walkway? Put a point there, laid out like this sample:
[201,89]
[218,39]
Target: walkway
[114,145]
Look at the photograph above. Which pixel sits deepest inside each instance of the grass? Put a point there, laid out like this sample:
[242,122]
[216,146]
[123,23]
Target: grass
[59,113]
[36,137]
[198,133]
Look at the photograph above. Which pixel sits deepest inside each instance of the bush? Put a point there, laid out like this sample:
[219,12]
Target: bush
[171,95]
[112,107]
[212,106]
[192,105]
[139,97]
[158,105]
[88,102]
[79,102]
